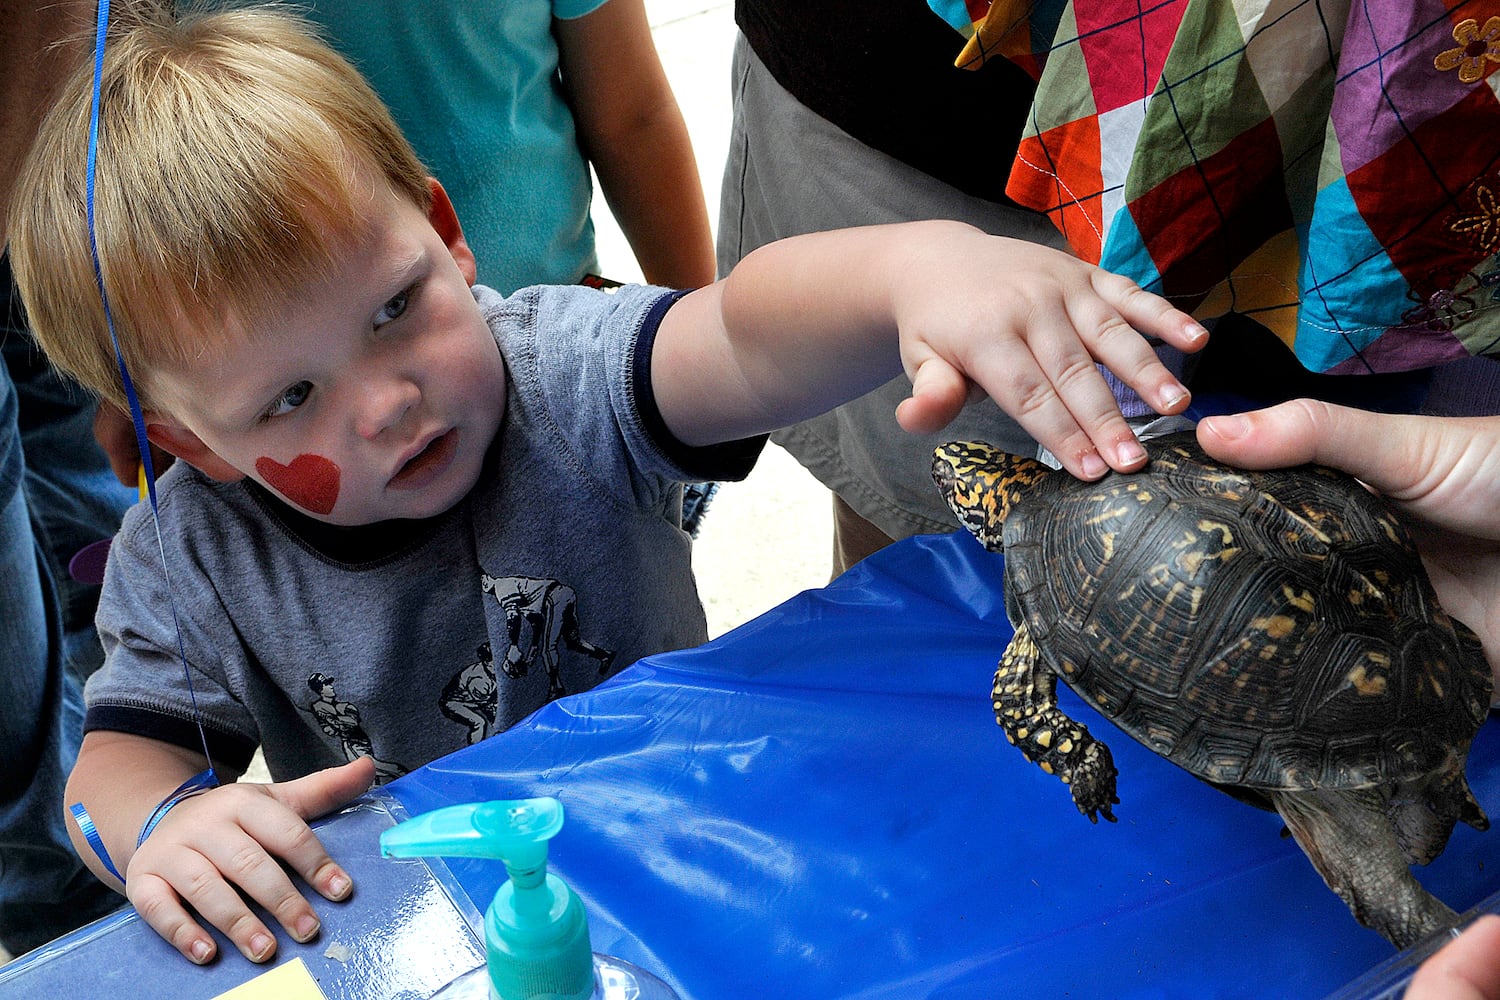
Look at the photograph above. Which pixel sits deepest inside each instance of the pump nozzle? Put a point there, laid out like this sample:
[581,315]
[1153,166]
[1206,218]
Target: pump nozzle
[536,934]
[515,831]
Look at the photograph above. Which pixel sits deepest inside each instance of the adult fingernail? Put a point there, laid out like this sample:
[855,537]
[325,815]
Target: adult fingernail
[1173,394]
[1230,428]
[1093,466]
[1195,332]
[202,951]
[1130,452]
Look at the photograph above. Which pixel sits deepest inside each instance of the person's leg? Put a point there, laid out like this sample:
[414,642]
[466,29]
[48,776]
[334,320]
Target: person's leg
[853,536]
[44,888]
[73,496]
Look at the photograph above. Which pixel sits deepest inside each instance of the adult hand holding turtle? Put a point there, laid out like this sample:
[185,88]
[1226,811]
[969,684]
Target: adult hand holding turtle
[1444,472]
[1467,968]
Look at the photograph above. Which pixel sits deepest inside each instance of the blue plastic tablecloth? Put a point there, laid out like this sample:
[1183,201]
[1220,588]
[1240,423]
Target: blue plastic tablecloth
[403,935]
[820,804]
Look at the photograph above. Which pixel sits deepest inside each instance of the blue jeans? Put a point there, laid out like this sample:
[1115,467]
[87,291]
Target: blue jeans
[56,495]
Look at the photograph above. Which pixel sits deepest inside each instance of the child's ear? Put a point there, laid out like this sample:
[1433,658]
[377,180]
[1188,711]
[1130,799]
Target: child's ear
[445,220]
[189,447]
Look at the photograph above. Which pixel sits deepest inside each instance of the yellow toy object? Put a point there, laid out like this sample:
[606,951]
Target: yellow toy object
[87,564]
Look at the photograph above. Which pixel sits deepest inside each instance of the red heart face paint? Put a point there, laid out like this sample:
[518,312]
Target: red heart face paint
[311,481]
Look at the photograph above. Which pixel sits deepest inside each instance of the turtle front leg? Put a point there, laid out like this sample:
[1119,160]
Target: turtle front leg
[1025,699]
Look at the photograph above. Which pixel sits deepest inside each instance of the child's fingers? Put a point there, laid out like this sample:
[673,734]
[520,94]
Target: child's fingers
[323,791]
[1049,383]
[1120,347]
[218,902]
[1150,314]
[1114,324]
[248,860]
[938,392]
[159,905]
[197,882]
[1071,364]
[215,848]
[287,836]
[1114,318]
[216,874]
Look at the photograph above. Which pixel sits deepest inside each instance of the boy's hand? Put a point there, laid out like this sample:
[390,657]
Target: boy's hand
[211,848]
[1028,324]
[807,323]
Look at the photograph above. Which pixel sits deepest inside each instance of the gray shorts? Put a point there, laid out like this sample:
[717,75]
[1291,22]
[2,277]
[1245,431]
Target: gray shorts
[790,172]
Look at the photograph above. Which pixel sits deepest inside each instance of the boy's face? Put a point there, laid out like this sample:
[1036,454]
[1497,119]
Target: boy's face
[374,395]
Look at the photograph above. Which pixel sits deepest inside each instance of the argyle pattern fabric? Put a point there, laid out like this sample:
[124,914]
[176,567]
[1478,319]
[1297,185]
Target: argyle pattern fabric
[1329,167]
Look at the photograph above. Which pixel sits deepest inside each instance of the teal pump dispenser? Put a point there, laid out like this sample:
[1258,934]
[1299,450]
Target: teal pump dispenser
[536,933]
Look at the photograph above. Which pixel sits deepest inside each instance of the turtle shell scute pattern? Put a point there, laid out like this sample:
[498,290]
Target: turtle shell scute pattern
[1270,629]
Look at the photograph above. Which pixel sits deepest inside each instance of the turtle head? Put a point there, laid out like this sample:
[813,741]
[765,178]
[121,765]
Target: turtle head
[982,483]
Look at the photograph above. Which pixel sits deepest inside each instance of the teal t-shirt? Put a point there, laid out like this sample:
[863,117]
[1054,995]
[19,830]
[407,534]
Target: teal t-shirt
[475,87]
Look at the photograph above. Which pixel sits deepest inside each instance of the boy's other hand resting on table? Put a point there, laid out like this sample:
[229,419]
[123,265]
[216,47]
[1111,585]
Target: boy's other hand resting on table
[214,850]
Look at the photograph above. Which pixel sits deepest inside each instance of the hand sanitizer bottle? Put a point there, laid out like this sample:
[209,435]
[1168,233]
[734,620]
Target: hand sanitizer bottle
[536,934]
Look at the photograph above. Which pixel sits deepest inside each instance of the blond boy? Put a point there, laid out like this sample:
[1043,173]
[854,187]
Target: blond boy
[409,512]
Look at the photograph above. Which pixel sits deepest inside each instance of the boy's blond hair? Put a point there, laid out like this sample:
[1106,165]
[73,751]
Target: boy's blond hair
[231,144]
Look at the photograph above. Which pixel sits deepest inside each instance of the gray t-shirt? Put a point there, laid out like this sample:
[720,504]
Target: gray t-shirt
[409,640]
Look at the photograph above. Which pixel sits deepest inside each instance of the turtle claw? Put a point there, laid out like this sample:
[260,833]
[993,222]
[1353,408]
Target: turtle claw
[1093,783]
[1095,810]
[1103,810]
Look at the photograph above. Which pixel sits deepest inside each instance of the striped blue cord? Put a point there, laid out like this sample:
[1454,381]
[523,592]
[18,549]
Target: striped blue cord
[205,779]
[91,834]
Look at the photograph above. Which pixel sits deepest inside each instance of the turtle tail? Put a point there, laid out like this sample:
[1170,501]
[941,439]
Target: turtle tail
[1424,813]
[1469,809]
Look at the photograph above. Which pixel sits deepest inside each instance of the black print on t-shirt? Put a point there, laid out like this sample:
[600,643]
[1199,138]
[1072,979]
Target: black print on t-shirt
[540,616]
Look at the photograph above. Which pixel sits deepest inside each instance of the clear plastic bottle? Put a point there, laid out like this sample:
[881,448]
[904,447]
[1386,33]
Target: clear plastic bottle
[536,934]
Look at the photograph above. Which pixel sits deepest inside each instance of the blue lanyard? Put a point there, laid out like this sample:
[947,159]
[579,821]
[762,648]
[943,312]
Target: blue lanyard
[207,778]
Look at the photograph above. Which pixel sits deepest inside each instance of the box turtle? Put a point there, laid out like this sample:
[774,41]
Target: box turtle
[1274,633]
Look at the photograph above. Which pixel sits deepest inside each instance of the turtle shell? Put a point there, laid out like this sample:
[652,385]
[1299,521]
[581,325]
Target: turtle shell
[1272,629]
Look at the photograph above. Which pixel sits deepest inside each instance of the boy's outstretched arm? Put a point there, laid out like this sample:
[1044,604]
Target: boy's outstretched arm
[212,847]
[807,323]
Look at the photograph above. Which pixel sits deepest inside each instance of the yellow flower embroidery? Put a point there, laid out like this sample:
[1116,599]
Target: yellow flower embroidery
[1483,227]
[1475,46]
